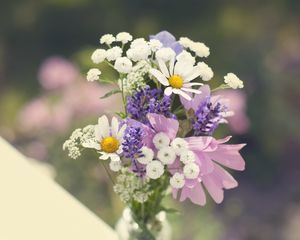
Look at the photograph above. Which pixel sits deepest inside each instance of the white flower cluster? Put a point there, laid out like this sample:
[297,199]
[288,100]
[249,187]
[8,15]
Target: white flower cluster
[167,153]
[199,48]
[129,186]
[136,78]
[233,81]
[78,139]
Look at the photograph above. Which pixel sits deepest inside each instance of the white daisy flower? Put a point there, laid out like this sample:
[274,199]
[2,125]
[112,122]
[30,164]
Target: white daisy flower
[107,39]
[179,145]
[155,44]
[113,53]
[115,165]
[124,37]
[147,157]
[177,180]
[191,170]
[206,72]
[177,79]
[166,155]
[108,139]
[200,49]
[233,81]
[93,74]
[98,56]
[123,65]
[154,169]
[165,54]
[187,157]
[161,140]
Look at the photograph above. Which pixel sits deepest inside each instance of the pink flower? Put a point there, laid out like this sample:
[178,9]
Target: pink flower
[57,72]
[35,115]
[211,154]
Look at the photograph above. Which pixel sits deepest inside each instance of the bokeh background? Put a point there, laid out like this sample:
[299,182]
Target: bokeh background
[45,49]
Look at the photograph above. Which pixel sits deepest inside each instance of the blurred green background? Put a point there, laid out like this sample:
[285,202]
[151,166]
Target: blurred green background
[257,40]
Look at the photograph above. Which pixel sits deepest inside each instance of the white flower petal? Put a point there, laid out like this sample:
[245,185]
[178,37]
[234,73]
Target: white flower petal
[103,126]
[193,74]
[163,67]
[104,156]
[171,66]
[191,90]
[114,126]
[168,91]
[192,84]
[181,93]
[121,132]
[159,76]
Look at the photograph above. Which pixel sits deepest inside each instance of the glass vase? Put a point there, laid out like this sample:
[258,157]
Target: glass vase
[158,229]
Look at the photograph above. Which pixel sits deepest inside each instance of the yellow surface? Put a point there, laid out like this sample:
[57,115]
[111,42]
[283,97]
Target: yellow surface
[34,207]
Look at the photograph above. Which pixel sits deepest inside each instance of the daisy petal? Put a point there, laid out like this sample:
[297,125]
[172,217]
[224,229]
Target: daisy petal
[114,126]
[191,90]
[163,68]
[168,91]
[159,76]
[193,74]
[192,84]
[103,126]
[182,93]
[121,132]
[104,156]
[171,65]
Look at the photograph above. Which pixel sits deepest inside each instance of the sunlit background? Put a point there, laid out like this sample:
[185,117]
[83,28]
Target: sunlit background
[45,49]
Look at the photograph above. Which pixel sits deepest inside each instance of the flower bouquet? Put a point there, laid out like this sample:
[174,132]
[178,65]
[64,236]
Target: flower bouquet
[162,143]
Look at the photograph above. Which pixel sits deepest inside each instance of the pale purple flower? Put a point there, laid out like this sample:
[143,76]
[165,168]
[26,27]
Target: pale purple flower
[57,72]
[168,40]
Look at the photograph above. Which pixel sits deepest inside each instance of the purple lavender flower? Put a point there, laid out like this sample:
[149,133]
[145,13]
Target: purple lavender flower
[148,100]
[208,117]
[133,142]
[168,40]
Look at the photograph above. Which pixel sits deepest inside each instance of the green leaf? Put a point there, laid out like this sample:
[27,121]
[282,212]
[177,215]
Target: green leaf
[121,114]
[112,92]
[106,81]
[169,210]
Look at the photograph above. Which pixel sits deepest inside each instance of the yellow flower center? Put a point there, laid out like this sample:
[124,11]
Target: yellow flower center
[176,81]
[109,144]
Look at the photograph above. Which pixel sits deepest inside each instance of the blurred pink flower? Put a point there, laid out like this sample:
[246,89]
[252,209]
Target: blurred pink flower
[239,123]
[35,115]
[37,150]
[57,72]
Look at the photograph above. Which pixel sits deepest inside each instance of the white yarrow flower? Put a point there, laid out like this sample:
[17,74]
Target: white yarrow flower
[165,54]
[93,74]
[154,169]
[139,50]
[233,81]
[113,53]
[147,157]
[200,49]
[155,44]
[206,72]
[166,155]
[98,56]
[186,56]
[179,145]
[124,37]
[115,166]
[107,39]
[185,42]
[187,157]
[123,65]
[138,42]
[161,140]
[177,180]
[191,170]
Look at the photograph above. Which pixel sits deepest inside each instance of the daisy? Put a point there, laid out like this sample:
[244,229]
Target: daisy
[177,79]
[108,139]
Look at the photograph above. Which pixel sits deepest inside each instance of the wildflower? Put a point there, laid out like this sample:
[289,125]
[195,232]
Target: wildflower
[124,37]
[107,39]
[146,155]
[154,169]
[177,181]
[139,50]
[161,140]
[108,139]
[191,170]
[187,157]
[113,53]
[206,72]
[123,65]
[155,44]
[165,54]
[98,56]
[166,155]
[179,145]
[93,74]
[233,81]
[177,78]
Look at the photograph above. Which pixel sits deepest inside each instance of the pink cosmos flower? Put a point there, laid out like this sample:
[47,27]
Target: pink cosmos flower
[210,155]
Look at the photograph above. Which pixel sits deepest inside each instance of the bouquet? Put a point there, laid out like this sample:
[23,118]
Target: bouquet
[162,143]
